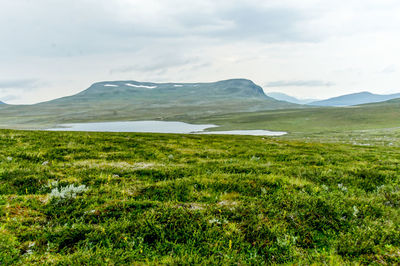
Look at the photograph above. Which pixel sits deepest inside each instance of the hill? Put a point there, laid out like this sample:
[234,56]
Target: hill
[132,100]
[355,99]
[287,98]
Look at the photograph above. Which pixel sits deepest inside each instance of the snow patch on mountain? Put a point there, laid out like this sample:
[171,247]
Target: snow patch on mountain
[140,86]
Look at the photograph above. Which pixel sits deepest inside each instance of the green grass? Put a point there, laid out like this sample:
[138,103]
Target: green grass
[178,199]
[370,124]
[313,120]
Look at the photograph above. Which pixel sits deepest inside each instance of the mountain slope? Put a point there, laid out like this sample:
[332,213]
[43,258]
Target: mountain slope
[167,94]
[355,99]
[132,100]
[287,98]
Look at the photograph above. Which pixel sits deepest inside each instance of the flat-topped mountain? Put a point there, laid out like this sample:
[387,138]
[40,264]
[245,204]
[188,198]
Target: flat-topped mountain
[133,100]
[355,99]
[234,88]
[228,95]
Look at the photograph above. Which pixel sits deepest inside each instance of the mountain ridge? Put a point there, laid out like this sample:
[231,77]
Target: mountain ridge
[128,100]
[132,86]
[358,98]
[280,96]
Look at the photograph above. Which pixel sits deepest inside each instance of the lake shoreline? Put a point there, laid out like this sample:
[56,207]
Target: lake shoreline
[152,126]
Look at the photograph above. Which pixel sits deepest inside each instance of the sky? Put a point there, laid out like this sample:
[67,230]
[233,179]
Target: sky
[305,48]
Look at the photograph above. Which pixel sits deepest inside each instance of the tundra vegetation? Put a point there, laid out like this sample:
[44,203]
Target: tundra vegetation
[127,198]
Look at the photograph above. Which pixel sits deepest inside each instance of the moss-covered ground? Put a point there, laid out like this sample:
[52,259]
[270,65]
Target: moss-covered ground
[125,198]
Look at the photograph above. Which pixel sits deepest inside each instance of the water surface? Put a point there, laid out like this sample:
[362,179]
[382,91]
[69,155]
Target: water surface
[158,127]
[135,126]
[246,132]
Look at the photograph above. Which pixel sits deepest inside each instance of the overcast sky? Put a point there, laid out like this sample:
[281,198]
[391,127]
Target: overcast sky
[306,48]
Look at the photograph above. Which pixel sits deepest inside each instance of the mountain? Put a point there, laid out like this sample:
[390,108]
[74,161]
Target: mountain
[173,92]
[355,99]
[287,98]
[1,102]
[133,100]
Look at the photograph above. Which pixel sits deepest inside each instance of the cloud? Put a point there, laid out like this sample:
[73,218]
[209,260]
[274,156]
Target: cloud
[299,83]
[19,84]
[7,98]
[67,45]
[265,24]
[389,69]
[59,28]
[155,64]
[15,89]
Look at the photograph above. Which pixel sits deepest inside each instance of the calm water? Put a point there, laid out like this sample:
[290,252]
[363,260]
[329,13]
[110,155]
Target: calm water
[157,127]
[135,126]
[247,132]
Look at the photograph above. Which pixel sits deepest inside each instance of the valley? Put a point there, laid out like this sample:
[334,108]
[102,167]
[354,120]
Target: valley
[327,192]
[236,104]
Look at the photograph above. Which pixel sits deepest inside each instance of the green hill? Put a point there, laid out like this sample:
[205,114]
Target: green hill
[132,100]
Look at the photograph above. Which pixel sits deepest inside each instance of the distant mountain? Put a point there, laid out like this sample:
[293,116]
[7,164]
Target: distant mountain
[132,100]
[1,102]
[355,99]
[234,88]
[287,98]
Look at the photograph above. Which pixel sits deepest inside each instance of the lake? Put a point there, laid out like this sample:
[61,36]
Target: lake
[246,132]
[157,127]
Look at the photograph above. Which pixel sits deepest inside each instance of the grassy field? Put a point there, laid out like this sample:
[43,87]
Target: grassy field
[313,120]
[96,198]
[371,124]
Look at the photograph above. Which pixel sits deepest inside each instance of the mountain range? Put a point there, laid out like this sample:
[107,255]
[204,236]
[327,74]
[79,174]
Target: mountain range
[287,98]
[133,100]
[355,99]
[216,102]
[343,100]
